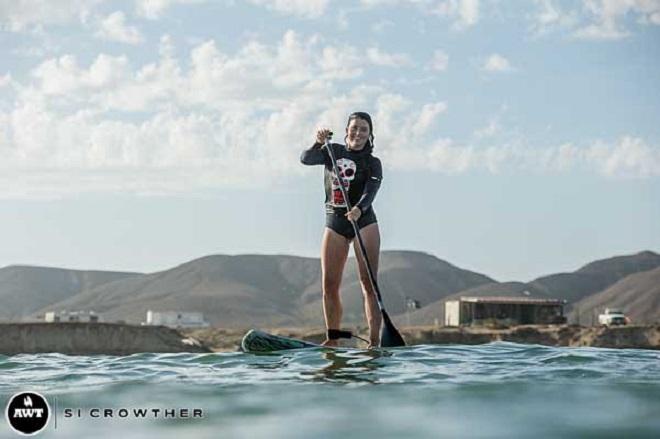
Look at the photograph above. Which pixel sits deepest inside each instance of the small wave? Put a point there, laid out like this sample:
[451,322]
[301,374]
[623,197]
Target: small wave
[428,364]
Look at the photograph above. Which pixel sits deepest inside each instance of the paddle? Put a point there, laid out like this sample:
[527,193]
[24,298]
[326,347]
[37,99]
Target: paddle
[389,335]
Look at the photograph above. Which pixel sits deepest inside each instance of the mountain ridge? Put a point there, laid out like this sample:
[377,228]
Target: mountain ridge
[262,290]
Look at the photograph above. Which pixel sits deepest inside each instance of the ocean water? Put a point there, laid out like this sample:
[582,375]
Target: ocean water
[505,390]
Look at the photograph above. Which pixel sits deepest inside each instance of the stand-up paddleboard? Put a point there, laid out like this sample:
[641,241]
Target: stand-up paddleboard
[260,341]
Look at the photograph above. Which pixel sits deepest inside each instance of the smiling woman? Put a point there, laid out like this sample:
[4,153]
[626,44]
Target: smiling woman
[360,174]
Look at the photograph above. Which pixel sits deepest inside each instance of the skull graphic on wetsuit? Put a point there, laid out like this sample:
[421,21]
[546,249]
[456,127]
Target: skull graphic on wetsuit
[347,169]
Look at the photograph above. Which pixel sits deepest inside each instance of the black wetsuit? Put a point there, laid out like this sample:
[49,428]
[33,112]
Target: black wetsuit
[362,174]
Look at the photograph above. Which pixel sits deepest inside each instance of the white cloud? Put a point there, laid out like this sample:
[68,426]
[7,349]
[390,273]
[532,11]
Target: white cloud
[496,63]
[257,75]
[299,8]
[439,61]
[60,76]
[114,28]
[381,58]
[5,80]
[46,152]
[608,14]
[445,157]
[388,109]
[18,15]
[404,131]
[550,16]
[596,19]
[377,3]
[211,120]
[465,13]
[549,13]
[154,9]
[628,158]
[407,141]
[212,117]
[606,30]
[166,47]
[426,118]
[41,46]
[340,63]
[631,157]
[492,128]
[257,71]
[468,12]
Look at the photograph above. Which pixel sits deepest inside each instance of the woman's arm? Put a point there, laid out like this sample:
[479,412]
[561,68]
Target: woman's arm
[371,186]
[316,155]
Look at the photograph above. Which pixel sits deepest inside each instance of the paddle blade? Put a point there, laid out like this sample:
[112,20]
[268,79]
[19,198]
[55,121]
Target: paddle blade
[389,335]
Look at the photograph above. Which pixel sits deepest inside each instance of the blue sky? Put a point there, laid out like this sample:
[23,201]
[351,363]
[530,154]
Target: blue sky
[518,138]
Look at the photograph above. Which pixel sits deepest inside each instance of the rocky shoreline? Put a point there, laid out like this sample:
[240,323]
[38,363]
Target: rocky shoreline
[79,338]
[636,337]
[123,339]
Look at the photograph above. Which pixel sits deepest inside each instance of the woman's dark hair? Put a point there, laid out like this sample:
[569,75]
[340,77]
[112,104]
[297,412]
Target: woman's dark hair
[364,116]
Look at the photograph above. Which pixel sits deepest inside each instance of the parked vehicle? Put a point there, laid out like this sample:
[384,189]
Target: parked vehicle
[612,317]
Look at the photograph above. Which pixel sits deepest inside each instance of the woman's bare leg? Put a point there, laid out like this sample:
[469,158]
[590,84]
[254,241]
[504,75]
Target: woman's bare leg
[371,239]
[334,252]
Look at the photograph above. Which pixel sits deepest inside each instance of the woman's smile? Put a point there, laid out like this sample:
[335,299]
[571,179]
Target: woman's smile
[357,133]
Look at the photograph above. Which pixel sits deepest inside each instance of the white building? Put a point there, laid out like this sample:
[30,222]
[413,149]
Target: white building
[514,310]
[71,316]
[176,319]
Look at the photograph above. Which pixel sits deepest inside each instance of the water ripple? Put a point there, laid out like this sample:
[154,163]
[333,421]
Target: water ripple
[500,389]
[425,364]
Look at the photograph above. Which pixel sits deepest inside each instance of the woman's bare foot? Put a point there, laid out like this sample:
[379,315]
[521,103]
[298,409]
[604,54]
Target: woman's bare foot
[331,343]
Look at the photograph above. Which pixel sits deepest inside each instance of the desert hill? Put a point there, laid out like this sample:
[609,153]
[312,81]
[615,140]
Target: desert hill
[26,289]
[279,290]
[258,290]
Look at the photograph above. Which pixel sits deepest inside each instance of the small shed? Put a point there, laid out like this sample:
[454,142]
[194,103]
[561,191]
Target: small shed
[71,316]
[504,310]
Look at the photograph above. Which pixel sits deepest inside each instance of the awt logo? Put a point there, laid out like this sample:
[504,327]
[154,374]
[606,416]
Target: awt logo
[27,413]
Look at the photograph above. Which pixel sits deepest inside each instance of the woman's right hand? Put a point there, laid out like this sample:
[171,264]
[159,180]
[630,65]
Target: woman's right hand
[323,134]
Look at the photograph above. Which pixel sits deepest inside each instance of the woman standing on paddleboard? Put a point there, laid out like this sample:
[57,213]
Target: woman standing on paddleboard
[361,174]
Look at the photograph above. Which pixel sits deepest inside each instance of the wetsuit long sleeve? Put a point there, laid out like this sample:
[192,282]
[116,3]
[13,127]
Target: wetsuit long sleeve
[372,185]
[360,173]
[316,155]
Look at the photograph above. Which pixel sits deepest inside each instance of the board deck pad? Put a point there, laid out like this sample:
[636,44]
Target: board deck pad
[260,341]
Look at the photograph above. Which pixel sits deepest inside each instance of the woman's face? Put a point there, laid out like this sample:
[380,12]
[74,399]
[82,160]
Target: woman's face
[357,133]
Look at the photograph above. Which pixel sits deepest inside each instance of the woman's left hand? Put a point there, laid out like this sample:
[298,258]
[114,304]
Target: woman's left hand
[354,214]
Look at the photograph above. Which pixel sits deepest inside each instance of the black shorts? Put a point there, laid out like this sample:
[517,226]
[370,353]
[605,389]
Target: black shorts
[336,221]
